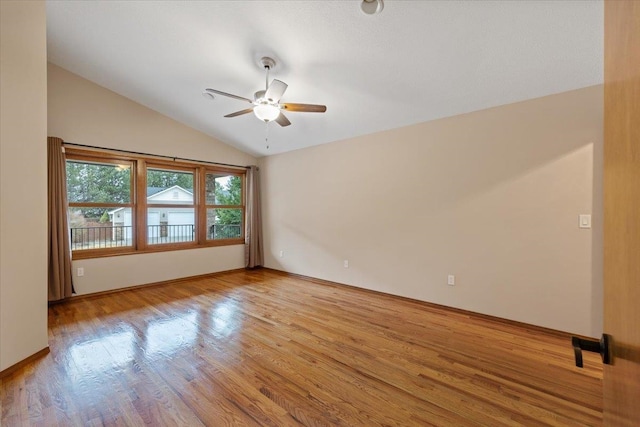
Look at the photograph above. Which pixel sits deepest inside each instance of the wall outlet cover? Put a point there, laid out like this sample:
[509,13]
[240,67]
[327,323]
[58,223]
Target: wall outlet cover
[585,221]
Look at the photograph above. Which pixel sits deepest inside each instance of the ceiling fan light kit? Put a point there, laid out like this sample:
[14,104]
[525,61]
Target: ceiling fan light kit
[266,103]
[371,7]
[266,112]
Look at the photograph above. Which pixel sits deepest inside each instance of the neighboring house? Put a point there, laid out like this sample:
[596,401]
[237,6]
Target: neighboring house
[161,221]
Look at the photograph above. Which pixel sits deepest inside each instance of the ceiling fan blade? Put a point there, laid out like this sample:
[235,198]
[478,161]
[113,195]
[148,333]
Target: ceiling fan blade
[282,120]
[241,98]
[305,108]
[275,91]
[239,113]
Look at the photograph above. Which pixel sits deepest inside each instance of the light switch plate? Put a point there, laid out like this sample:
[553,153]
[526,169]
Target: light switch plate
[585,221]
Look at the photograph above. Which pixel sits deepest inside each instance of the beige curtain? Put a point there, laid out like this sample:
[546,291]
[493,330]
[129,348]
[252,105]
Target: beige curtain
[253,255]
[60,286]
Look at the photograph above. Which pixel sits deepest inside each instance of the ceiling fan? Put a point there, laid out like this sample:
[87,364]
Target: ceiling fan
[266,103]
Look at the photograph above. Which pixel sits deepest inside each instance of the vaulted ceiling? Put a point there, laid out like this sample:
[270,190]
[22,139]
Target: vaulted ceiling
[416,61]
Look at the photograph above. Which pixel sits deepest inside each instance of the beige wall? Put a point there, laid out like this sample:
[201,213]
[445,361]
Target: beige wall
[492,197]
[82,112]
[23,180]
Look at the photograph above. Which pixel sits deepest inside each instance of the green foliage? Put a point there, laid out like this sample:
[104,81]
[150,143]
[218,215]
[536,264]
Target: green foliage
[105,217]
[230,194]
[167,179]
[225,191]
[97,183]
[88,182]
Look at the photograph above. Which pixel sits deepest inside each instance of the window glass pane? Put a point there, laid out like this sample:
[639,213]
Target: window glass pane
[166,186]
[224,224]
[223,189]
[98,183]
[100,228]
[170,225]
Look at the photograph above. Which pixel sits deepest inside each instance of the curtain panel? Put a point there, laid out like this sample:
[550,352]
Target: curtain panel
[60,286]
[253,253]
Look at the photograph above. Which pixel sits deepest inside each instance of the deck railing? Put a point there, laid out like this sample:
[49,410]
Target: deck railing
[117,236]
[170,233]
[225,231]
[100,237]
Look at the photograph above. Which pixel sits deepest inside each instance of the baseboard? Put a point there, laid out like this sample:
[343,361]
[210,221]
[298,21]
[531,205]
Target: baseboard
[37,355]
[432,305]
[471,314]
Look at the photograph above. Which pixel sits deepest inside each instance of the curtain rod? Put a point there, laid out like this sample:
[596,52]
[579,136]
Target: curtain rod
[155,155]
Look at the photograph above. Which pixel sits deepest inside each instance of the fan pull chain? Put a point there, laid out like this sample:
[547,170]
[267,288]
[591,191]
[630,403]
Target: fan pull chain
[266,135]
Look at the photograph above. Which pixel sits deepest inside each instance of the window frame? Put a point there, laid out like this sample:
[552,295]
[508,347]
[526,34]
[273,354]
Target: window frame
[139,206]
[89,158]
[144,213]
[242,206]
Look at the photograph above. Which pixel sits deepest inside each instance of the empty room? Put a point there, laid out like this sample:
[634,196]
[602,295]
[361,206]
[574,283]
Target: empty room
[320,213]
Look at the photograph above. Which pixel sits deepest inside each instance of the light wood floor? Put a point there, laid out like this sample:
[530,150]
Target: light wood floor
[264,348]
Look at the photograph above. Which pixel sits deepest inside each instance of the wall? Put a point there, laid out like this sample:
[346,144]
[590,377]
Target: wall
[82,112]
[23,180]
[492,197]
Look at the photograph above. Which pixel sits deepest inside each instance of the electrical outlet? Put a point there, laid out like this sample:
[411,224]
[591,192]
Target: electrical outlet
[346,263]
[281,254]
[451,280]
[80,271]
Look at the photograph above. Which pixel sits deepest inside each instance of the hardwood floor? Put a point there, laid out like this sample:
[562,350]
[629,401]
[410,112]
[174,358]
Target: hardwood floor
[265,348]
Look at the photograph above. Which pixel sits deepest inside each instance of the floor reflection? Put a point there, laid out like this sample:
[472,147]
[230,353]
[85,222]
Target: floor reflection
[225,318]
[167,336]
[104,353]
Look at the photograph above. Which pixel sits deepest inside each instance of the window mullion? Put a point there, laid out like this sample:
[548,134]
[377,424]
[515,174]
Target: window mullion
[141,205]
[201,205]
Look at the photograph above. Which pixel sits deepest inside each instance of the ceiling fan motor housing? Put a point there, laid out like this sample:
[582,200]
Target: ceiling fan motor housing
[268,63]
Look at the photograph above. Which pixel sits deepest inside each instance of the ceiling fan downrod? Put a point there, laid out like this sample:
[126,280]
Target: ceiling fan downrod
[268,64]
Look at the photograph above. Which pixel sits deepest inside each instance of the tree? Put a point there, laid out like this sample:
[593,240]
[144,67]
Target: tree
[226,192]
[106,183]
[167,179]
[97,183]
[230,194]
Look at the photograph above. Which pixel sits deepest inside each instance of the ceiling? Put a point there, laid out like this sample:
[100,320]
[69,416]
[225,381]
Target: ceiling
[416,61]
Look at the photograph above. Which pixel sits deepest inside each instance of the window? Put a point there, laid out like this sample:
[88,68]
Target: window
[100,204]
[171,212]
[129,205]
[224,205]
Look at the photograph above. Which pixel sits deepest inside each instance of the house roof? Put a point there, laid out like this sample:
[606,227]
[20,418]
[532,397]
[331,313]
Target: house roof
[415,61]
[156,193]
[164,191]
[153,190]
